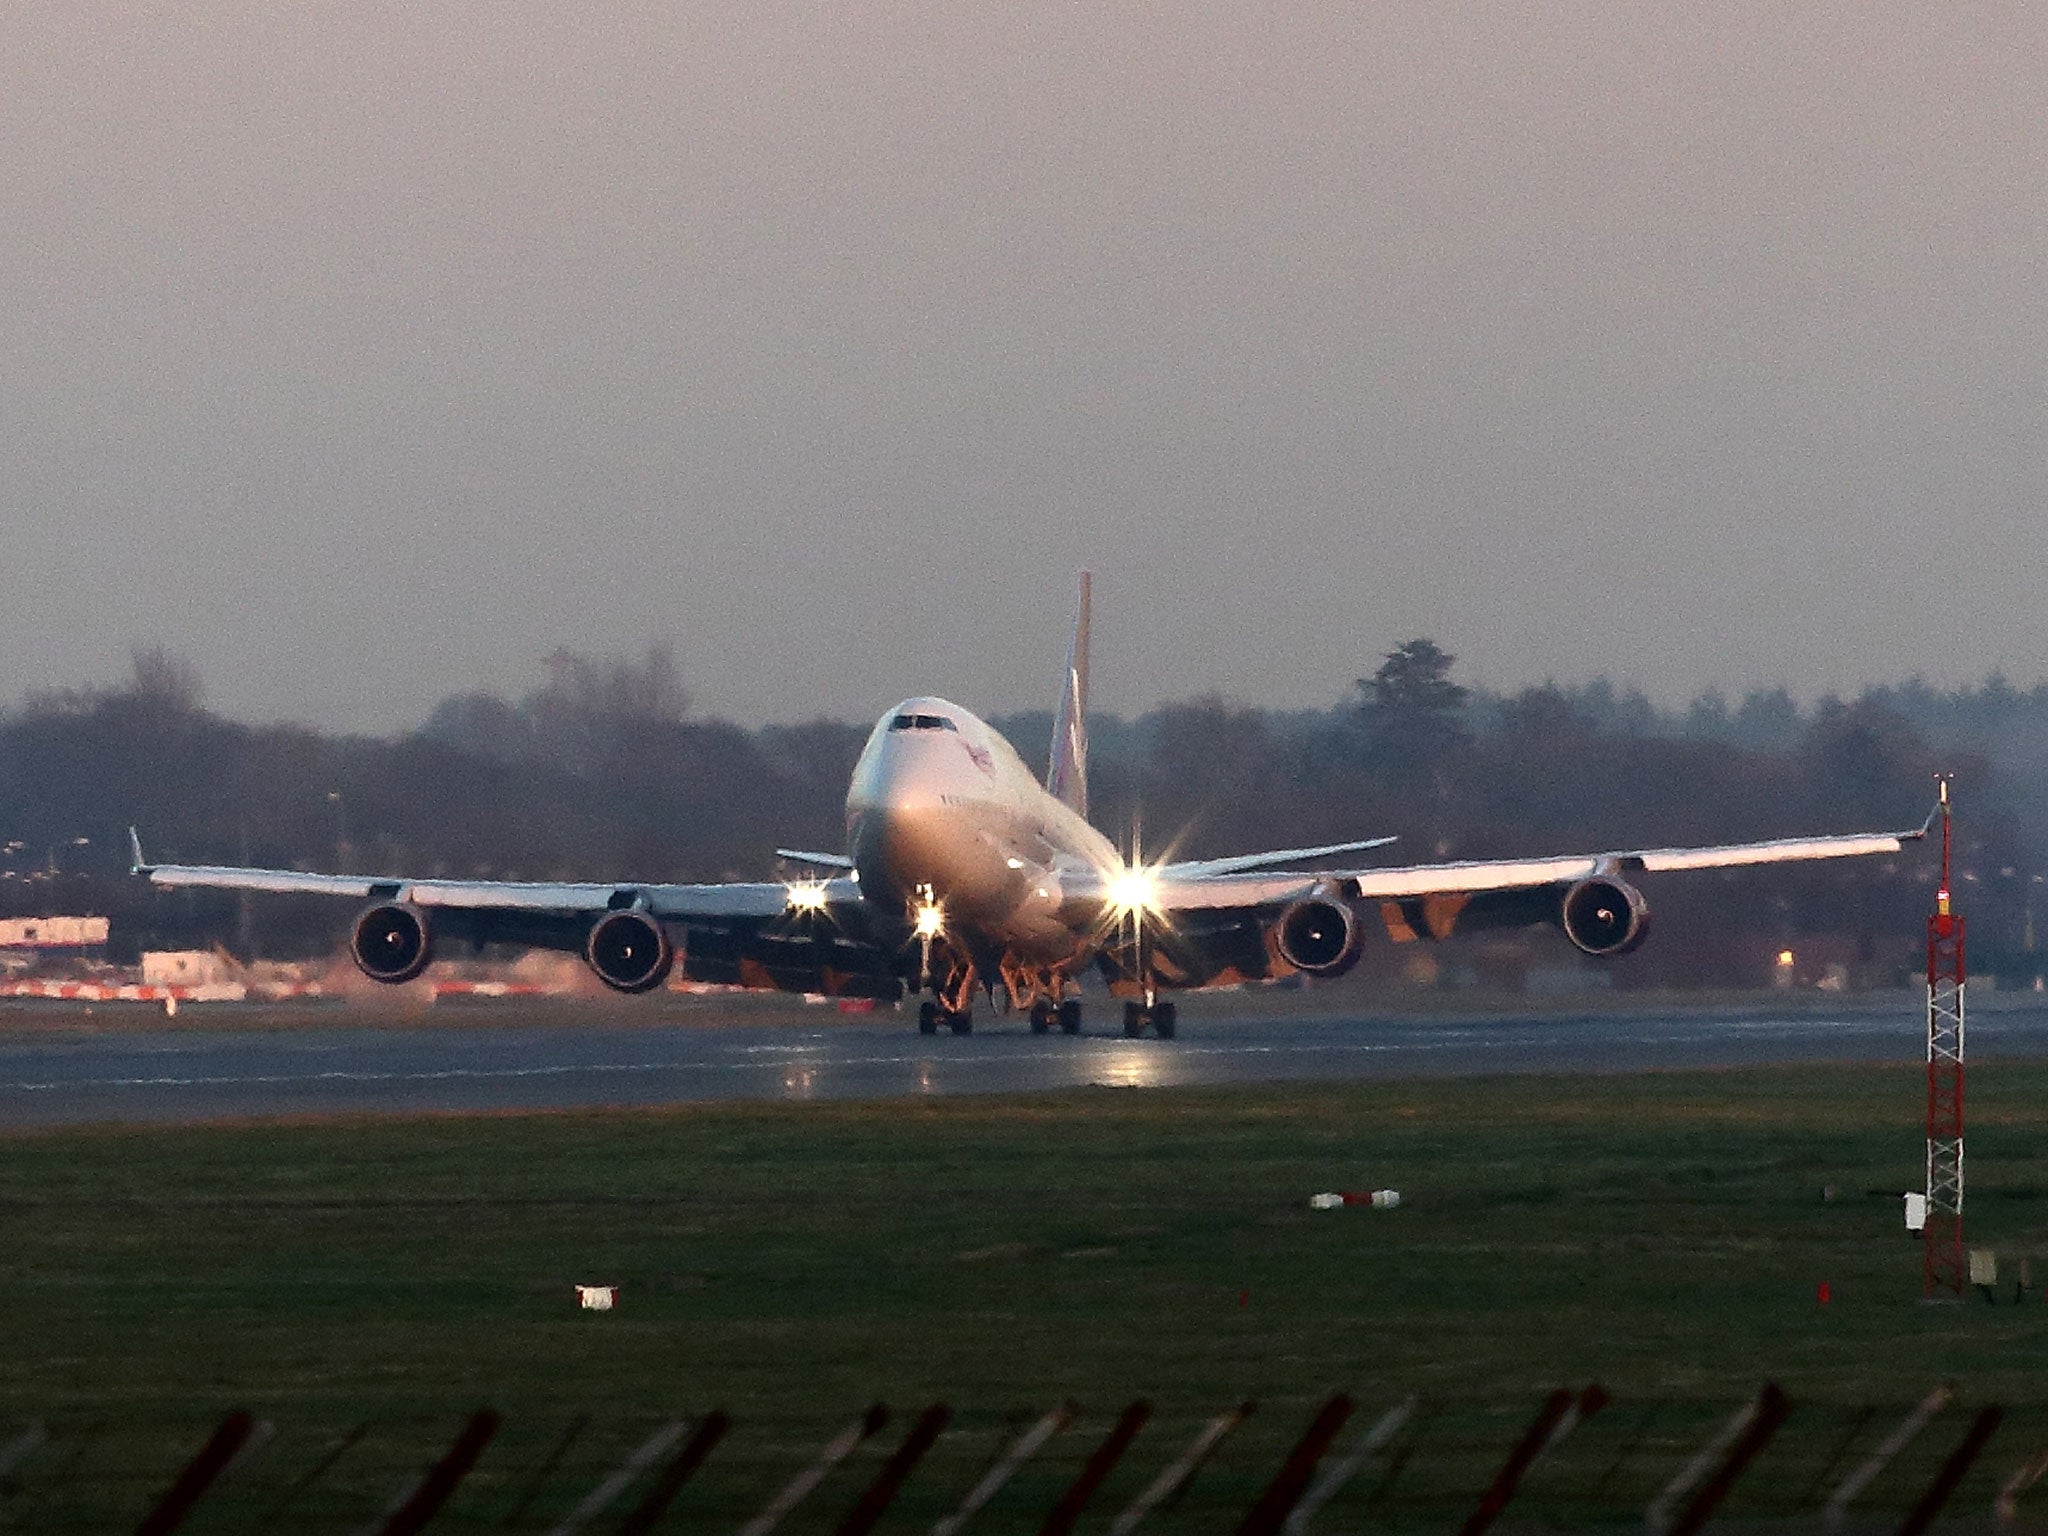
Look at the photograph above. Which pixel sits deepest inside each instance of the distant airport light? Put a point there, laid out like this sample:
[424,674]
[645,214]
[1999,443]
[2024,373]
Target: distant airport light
[1784,959]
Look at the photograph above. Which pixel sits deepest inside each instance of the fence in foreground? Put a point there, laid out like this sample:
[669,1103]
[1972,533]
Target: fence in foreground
[1576,1459]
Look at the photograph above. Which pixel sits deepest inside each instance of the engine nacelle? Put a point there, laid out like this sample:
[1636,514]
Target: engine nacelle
[1319,937]
[630,951]
[392,943]
[1604,916]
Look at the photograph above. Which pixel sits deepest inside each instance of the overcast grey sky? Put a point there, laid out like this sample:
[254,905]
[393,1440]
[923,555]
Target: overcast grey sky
[366,351]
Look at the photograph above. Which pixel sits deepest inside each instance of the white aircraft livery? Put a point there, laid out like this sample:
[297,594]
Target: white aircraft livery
[962,874]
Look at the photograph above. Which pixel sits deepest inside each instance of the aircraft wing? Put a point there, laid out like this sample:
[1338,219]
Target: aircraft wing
[1222,924]
[736,900]
[1172,889]
[811,936]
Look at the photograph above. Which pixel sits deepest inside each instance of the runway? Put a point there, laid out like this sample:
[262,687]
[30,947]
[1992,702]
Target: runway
[53,1072]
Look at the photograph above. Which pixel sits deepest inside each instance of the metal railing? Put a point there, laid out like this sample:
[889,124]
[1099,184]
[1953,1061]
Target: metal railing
[1342,1463]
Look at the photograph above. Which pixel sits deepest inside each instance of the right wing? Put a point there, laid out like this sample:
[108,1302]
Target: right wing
[1191,886]
[1220,921]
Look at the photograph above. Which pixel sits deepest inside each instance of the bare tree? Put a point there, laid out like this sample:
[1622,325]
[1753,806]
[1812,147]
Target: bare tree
[162,677]
[614,688]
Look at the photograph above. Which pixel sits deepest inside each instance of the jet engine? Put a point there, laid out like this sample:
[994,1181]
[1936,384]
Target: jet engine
[630,951]
[1319,936]
[392,943]
[1604,916]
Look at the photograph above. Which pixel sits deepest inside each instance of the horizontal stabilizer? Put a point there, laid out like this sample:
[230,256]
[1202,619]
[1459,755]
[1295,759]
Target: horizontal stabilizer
[821,860]
[1280,858]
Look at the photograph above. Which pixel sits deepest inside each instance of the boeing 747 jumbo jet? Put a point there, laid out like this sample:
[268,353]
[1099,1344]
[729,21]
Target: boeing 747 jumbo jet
[963,874]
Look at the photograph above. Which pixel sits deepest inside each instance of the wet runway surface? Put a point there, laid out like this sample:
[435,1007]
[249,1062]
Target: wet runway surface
[69,1076]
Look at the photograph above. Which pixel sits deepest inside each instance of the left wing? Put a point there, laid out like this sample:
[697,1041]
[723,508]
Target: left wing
[809,936]
[739,900]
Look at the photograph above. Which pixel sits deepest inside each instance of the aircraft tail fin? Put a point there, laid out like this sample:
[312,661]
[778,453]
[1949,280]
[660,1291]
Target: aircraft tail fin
[1067,775]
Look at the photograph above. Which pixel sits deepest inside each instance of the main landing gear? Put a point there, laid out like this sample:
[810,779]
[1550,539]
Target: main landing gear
[1162,1017]
[1045,1014]
[930,1016]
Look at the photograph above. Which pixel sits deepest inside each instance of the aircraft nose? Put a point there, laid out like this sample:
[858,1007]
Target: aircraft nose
[906,843]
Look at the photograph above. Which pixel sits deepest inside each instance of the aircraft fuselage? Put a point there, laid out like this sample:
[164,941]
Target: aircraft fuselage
[942,811]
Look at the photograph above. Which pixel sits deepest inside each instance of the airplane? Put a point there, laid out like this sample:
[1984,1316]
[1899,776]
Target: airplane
[963,873]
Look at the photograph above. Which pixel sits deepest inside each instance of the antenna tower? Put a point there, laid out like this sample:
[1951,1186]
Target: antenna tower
[1943,1271]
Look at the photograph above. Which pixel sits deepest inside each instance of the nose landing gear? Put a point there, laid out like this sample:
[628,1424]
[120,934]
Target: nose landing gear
[930,1016]
[952,1001]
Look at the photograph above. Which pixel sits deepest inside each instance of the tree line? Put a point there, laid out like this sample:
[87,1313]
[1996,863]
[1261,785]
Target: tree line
[602,772]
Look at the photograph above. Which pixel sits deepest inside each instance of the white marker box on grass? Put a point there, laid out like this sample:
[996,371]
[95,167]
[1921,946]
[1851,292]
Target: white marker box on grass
[597,1298]
[1377,1199]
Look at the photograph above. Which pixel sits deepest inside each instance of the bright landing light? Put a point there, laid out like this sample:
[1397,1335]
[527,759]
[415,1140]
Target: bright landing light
[805,896]
[931,922]
[1132,890]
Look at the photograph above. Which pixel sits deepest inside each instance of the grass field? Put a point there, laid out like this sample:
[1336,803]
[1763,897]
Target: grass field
[1663,1233]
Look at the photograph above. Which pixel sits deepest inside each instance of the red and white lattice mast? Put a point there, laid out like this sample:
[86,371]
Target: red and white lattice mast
[1944,1271]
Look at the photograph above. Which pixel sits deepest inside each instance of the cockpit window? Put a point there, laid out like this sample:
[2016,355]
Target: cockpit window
[922,723]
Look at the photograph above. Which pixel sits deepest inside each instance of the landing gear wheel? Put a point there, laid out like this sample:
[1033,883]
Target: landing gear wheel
[927,1018]
[961,1023]
[1161,1018]
[1042,1014]
[1070,1017]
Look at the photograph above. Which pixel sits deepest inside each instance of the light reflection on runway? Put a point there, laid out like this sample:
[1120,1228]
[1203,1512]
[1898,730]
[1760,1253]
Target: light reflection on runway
[57,1073]
[1137,1065]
